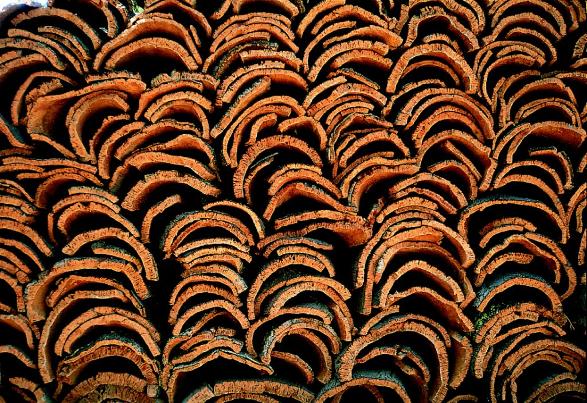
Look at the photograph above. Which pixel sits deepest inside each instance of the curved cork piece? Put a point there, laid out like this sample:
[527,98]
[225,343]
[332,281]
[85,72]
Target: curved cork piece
[293,201]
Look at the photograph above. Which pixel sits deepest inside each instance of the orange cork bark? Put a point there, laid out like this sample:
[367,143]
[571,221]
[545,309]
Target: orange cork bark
[293,201]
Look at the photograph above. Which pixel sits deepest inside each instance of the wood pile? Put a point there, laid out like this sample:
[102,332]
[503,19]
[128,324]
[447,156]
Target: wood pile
[293,200]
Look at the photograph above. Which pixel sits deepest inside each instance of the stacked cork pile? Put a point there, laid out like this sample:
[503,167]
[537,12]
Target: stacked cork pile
[293,200]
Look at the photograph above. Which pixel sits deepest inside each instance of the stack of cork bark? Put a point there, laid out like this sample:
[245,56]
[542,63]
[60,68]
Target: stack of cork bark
[293,200]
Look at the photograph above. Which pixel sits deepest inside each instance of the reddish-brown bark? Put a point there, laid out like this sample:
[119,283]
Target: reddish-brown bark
[283,200]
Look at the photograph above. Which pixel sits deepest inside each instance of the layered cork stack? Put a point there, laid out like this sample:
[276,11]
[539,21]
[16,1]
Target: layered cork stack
[275,201]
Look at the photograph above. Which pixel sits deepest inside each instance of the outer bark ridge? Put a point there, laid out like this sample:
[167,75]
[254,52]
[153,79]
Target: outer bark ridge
[273,200]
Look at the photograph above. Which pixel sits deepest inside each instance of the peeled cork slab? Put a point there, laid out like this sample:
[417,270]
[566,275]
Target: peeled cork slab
[293,201]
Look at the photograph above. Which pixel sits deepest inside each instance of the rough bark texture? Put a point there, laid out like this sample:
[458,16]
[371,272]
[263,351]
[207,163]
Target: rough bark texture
[275,200]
